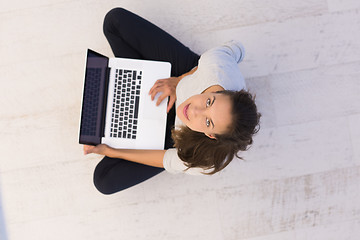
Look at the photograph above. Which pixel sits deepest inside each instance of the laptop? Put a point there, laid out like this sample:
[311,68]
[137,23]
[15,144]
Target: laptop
[116,107]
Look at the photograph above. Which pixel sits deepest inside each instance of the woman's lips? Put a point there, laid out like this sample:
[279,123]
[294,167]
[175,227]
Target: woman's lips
[185,111]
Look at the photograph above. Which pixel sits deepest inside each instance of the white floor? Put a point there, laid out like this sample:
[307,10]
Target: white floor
[300,180]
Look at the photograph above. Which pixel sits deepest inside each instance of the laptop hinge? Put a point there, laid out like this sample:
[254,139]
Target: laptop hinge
[106,87]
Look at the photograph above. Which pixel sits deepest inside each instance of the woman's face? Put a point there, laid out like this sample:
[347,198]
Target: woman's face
[209,113]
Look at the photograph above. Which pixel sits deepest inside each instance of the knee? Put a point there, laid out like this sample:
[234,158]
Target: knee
[101,183]
[113,15]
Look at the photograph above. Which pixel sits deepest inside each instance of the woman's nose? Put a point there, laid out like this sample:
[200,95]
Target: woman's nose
[198,110]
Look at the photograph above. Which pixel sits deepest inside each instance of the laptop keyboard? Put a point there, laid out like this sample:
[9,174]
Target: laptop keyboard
[125,109]
[91,101]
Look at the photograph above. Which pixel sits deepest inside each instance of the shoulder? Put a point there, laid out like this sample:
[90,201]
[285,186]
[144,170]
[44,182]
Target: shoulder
[230,52]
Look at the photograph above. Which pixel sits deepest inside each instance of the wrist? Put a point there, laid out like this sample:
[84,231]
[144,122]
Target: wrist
[109,151]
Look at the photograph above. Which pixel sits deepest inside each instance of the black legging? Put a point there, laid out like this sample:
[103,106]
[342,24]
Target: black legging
[131,36]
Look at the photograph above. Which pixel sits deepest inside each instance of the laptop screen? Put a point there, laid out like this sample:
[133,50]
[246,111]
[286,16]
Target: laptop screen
[94,99]
[96,60]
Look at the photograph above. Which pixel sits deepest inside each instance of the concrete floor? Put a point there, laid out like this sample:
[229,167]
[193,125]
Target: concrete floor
[300,179]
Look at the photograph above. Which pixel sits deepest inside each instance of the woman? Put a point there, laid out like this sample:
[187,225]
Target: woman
[211,123]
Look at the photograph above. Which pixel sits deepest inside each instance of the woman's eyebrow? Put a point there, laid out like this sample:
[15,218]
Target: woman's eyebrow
[211,119]
[213,101]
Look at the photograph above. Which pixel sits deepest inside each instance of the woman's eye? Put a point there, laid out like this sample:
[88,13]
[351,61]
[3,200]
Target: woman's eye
[208,101]
[207,123]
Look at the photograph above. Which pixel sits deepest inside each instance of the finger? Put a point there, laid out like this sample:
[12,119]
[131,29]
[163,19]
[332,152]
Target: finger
[153,94]
[156,91]
[87,149]
[156,85]
[171,103]
[152,88]
[161,98]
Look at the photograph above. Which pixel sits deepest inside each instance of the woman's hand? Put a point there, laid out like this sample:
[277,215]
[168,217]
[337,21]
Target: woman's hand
[101,149]
[167,87]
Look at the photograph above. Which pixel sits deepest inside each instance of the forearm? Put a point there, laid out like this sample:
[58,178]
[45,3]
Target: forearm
[148,157]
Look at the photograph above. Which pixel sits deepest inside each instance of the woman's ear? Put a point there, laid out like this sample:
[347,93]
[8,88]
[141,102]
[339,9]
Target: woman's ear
[210,136]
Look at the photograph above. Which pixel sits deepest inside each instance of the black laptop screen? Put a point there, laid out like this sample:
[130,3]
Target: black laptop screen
[94,98]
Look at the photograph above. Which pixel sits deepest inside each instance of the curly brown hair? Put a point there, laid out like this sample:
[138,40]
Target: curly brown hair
[198,150]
